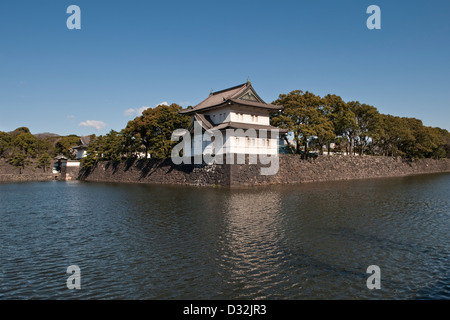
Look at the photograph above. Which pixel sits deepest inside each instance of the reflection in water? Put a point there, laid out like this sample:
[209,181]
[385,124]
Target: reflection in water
[309,241]
[253,242]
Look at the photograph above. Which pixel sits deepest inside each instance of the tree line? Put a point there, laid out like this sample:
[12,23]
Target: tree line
[355,128]
[315,124]
[147,135]
[21,148]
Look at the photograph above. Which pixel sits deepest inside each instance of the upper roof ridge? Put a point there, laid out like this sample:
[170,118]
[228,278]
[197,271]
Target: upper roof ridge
[232,88]
[234,94]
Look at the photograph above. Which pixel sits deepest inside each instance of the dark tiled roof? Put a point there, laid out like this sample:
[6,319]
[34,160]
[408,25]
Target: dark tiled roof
[83,144]
[60,157]
[206,122]
[84,141]
[208,125]
[256,104]
[231,95]
[79,147]
[245,126]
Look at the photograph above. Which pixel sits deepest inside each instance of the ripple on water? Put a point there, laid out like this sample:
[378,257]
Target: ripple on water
[312,241]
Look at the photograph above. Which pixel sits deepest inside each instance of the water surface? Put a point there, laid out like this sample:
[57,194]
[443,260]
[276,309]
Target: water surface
[307,241]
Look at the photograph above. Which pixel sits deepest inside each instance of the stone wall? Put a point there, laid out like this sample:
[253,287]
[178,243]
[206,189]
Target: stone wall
[26,177]
[292,169]
[70,170]
[9,173]
[156,171]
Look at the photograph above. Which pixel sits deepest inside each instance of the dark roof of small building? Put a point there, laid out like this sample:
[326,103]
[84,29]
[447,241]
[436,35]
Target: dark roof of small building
[78,147]
[84,141]
[243,94]
[60,157]
[83,144]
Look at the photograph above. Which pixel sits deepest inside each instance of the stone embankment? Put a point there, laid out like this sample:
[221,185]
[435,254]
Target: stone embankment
[292,169]
[9,173]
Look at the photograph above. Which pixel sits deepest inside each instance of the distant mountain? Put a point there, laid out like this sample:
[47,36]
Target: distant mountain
[46,135]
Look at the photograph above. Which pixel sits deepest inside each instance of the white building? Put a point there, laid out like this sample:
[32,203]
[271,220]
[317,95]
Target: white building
[242,118]
[81,149]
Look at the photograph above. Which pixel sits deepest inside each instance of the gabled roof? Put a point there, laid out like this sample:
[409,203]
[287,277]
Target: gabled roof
[60,157]
[83,144]
[204,120]
[84,141]
[243,94]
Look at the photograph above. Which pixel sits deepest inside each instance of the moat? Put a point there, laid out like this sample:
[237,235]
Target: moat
[304,241]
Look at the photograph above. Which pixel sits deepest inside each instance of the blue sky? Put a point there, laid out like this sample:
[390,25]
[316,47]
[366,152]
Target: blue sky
[134,54]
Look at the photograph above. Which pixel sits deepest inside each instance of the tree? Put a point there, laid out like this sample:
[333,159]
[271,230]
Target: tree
[109,147]
[19,161]
[44,146]
[325,129]
[333,107]
[446,143]
[149,133]
[325,133]
[395,136]
[280,120]
[44,161]
[137,137]
[165,120]
[19,131]
[368,124]
[131,144]
[442,140]
[64,144]
[427,140]
[5,141]
[153,130]
[92,155]
[301,115]
[344,120]
[24,142]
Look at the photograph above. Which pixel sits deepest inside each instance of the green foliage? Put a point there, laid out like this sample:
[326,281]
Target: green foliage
[24,142]
[92,155]
[90,160]
[64,144]
[315,122]
[356,128]
[427,142]
[446,142]
[304,115]
[19,161]
[409,138]
[108,147]
[367,125]
[20,131]
[151,133]
[441,140]
[44,161]
[5,142]
[44,146]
